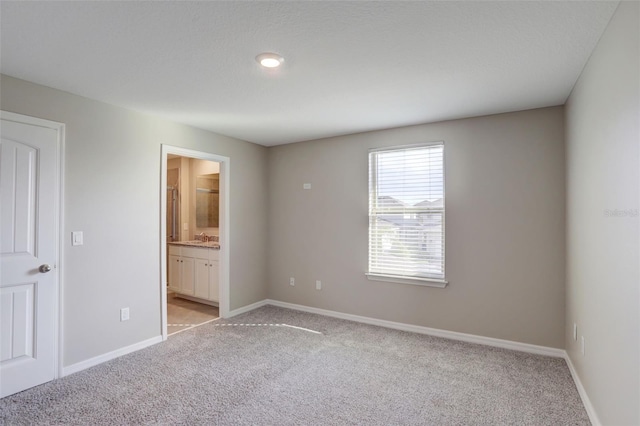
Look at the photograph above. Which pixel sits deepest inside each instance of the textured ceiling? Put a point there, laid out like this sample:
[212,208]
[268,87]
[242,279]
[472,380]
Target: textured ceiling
[349,66]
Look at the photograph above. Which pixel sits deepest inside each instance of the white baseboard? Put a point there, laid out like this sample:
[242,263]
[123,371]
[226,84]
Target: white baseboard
[471,338]
[591,412]
[247,308]
[91,362]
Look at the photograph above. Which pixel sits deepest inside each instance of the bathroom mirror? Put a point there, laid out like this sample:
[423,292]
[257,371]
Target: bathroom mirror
[207,200]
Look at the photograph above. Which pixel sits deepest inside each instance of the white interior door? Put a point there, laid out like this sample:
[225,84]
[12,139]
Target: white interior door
[28,241]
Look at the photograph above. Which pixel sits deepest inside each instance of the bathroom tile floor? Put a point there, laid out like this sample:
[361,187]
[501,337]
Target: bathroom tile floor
[183,314]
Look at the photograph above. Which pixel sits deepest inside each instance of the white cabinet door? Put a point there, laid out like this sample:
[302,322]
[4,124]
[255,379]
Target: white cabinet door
[188,279]
[194,272]
[202,278]
[28,170]
[175,272]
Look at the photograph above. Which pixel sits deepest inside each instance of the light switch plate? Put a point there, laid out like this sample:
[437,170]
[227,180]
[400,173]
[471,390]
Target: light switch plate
[77,238]
[306,186]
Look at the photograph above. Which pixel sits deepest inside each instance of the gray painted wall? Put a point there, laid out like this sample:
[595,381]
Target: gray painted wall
[112,193]
[603,115]
[505,227]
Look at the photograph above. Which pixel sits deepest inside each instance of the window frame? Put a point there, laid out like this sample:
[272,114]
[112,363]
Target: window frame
[372,181]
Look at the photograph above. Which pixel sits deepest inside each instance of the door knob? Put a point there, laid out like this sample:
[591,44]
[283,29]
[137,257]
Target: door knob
[45,268]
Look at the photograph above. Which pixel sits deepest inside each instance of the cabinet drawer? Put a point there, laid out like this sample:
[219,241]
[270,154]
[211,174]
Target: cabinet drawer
[195,252]
[174,250]
[214,254]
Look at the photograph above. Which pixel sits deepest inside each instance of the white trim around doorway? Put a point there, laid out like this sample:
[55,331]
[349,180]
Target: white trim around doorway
[225,240]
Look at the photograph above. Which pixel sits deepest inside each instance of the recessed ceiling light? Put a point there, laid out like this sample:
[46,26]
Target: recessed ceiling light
[270,60]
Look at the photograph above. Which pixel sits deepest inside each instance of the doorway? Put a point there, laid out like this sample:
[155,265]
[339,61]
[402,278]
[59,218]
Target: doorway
[193,230]
[203,259]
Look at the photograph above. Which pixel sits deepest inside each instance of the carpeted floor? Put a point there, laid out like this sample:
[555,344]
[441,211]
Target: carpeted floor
[275,366]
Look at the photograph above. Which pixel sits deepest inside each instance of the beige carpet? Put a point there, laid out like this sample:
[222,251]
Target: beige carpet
[183,314]
[275,366]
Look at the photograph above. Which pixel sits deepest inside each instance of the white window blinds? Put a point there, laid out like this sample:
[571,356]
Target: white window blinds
[406,212]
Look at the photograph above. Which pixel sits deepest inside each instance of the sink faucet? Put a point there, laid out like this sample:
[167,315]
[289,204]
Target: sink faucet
[203,237]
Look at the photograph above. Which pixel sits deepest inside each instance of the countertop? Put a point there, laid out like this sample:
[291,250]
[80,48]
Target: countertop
[196,243]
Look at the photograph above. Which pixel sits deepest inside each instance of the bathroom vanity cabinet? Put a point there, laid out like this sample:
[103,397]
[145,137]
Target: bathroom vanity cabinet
[194,272]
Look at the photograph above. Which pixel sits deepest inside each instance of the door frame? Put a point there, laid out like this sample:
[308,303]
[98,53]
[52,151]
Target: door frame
[58,212]
[225,228]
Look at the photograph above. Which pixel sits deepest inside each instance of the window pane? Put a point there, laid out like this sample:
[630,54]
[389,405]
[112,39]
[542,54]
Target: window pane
[406,212]
[410,176]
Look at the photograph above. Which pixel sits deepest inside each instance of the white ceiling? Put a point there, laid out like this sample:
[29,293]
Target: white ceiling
[349,66]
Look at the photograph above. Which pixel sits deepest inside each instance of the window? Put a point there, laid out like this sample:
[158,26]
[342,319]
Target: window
[406,214]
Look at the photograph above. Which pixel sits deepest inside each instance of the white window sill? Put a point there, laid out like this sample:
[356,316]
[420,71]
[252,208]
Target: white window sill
[426,282]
